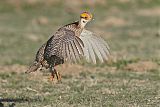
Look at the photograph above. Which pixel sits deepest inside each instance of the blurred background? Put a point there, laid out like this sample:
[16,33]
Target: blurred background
[130,27]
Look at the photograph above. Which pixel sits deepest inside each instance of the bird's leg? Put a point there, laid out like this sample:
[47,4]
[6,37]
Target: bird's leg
[58,75]
[53,73]
[52,70]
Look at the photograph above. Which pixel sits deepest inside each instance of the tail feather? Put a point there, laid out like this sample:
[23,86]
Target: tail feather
[33,67]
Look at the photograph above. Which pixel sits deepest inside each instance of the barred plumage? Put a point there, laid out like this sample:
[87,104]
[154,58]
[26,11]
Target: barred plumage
[71,43]
[64,45]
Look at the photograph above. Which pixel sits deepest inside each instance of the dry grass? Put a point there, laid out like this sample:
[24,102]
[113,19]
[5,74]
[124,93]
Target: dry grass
[142,66]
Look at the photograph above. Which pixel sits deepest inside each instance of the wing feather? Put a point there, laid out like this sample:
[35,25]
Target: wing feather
[64,54]
[74,47]
[100,48]
[67,52]
[79,45]
[72,54]
[89,52]
[96,50]
[104,45]
[94,46]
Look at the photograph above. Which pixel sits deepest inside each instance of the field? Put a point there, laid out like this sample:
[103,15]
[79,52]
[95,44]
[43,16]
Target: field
[130,79]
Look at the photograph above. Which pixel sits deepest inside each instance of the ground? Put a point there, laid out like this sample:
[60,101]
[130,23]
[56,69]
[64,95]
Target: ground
[130,79]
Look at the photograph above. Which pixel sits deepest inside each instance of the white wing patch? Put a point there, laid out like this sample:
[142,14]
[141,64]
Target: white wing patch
[94,47]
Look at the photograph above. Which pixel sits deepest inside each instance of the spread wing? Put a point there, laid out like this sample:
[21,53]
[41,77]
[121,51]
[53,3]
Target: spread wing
[69,46]
[65,45]
[94,47]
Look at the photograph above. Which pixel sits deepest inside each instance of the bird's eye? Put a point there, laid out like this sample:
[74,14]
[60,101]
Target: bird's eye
[85,17]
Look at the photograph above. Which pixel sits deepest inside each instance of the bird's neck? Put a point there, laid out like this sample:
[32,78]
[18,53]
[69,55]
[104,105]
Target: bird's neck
[82,23]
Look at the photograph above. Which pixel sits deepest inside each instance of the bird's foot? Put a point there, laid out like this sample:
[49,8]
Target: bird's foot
[54,73]
[59,78]
[51,78]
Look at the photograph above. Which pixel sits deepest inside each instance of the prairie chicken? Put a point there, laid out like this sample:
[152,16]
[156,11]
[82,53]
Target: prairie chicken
[71,43]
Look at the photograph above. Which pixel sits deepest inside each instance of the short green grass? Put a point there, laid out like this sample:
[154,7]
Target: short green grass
[132,30]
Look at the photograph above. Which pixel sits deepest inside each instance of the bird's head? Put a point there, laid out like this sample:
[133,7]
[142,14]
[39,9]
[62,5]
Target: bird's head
[84,18]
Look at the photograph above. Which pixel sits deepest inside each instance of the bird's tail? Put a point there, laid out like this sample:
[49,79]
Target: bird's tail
[33,67]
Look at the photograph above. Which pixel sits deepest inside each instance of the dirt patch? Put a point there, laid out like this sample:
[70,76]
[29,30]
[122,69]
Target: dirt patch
[135,34]
[42,20]
[85,2]
[116,22]
[124,1]
[75,6]
[72,69]
[149,12]
[65,68]
[32,37]
[142,66]
[75,69]
[13,68]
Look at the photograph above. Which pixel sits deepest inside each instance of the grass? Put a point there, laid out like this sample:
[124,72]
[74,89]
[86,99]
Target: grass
[131,29]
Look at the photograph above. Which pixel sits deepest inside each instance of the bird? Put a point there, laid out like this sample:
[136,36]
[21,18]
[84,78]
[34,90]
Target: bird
[71,43]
